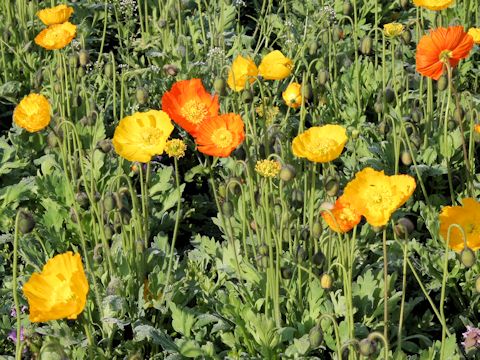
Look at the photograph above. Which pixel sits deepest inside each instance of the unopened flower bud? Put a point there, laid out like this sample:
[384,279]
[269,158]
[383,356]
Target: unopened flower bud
[326,281]
[26,222]
[367,347]
[315,336]
[467,257]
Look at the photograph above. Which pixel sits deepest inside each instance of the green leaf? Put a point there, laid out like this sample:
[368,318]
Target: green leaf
[183,320]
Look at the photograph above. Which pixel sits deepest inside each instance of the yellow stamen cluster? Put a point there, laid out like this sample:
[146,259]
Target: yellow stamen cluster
[268,168]
[175,148]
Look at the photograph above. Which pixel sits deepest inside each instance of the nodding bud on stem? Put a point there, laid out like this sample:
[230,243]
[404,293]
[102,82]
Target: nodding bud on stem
[315,336]
[26,222]
[367,347]
[467,257]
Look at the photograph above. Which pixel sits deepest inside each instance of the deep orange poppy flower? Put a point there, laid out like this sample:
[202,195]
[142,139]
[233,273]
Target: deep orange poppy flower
[346,218]
[189,104]
[220,135]
[442,45]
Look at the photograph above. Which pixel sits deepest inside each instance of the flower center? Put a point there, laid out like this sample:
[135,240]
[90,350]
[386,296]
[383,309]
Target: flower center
[194,111]
[222,138]
[445,55]
[470,228]
[151,136]
[321,147]
[347,215]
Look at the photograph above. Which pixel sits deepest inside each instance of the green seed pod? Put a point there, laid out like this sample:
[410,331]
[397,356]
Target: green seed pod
[407,36]
[378,107]
[247,96]
[227,208]
[220,86]
[109,202]
[73,61]
[83,57]
[318,258]
[73,216]
[477,285]
[121,199]
[323,77]
[287,172]
[222,190]
[108,230]
[389,95]
[467,257]
[81,72]
[26,222]
[404,227]
[315,336]
[459,114]
[301,254]
[82,199]
[105,146]
[367,347]
[317,229]
[307,92]
[355,134]
[452,125]
[263,249]
[59,72]
[108,70]
[417,116]
[286,272]
[326,281]
[297,198]
[442,83]
[57,87]
[383,128]
[406,158]
[313,48]
[366,45]
[52,140]
[347,8]
[142,95]
[337,34]
[331,187]
[325,38]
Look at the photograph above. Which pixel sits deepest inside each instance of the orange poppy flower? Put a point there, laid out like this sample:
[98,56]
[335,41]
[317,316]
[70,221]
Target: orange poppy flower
[442,45]
[220,135]
[346,218]
[189,104]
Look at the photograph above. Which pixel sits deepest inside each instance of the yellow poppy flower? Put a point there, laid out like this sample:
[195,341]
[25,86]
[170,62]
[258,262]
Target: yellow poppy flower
[56,36]
[242,70]
[376,195]
[293,95]
[140,136]
[468,217]
[475,34]
[477,128]
[320,143]
[393,29]
[59,291]
[32,113]
[55,15]
[433,4]
[275,66]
